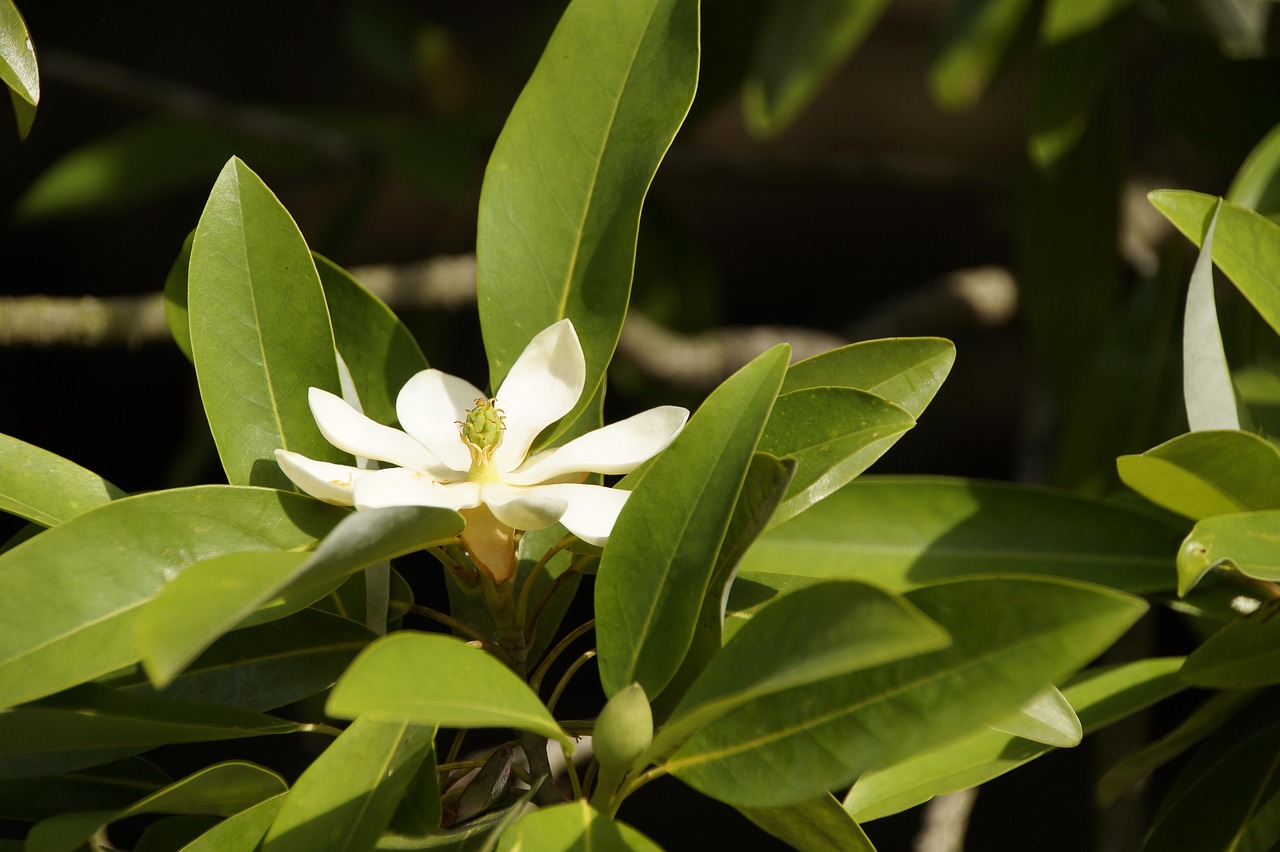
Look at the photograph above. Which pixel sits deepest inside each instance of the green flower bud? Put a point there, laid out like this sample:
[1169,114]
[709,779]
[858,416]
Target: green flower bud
[482,430]
[624,729]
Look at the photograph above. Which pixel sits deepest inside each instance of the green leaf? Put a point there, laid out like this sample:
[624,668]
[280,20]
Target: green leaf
[901,532]
[260,332]
[1047,718]
[1202,474]
[1100,696]
[24,113]
[1081,41]
[834,434]
[847,627]
[113,786]
[1244,654]
[240,832]
[978,38]
[662,552]
[378,350]
[560,207]
[214,596]
[817,825]
[17,57]
[461,687]
[176,315]
[907,371]
[1206,378]
[573,827]
[46,488]
[1246,246]
[793,745]
[1245,542]
[346,798]
[1257,184]
[219,790]
[800,47]
[62,623]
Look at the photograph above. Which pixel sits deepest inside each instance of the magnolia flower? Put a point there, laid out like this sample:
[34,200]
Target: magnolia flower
[462,450]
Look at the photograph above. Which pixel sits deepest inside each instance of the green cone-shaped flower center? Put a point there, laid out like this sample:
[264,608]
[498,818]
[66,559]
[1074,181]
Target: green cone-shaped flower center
[482,433]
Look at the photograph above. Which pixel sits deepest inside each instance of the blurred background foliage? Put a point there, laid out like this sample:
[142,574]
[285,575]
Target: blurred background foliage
[975,169]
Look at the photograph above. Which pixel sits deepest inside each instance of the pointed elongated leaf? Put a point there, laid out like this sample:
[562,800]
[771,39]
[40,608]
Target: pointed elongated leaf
[1244,654]
[573,827]
[662,551]
[260,332]
[817,825]
[219,790]
[18,67]
[345,800]
[792,746]
[72,593]
[907,371]
[211,598]
[847,627]
[459,687]
[46,488]
[109,787]
[1047,718]
[560,207]
[380,352]
[1206,378]
[1257,184]
[1246,246]
[900,532]
[176,315]
[800,47]
[240,832]
[977,39]
[1245,542]
[1100,696]
[834,434]
[1202,474]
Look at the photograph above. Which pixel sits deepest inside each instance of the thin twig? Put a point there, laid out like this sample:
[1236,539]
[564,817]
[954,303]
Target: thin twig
[946,819]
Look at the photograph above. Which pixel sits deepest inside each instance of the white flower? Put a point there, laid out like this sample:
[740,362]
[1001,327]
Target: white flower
[460,450]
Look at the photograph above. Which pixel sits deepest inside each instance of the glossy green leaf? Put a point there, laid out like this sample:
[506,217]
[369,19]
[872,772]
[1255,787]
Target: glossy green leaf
[109,787]
[1048,718]
[18,68]
[459,687]
[1227,798]
[662,552]
[799,48]
[174,832]
[1245,542]
[907,371]
[1244,654]
[240,832]
[46,488]
[792,746]
[751,593]
[1202,474]
[1206,377]
[847,627]
[1257,184]
[378,350]
[560,206]
[214,596]
[74,591]
[1246,246]
[573,827]
[24,113]
[260,332]
[901,532]
[1100,696]
[219,790]
[176,314]
[977,39]
[266,666]
[818,825]
[1081,41]
[834,434]
[344,801]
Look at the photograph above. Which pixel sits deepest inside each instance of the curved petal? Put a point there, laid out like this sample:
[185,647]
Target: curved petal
[544,385]
[401,487]
[592,509]
[347,429]
[617,448]
[430,407]
[325,481]
[523,508]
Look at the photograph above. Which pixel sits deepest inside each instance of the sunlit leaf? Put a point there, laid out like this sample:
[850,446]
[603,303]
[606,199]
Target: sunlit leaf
[1246,542]
[1206,378]
[45,488]
[1244,654]
[907,371]
[817,825]
[240,832]
[573,827]
[1047,718]
[1202,474]
[109,787]
[1257,184]
[18,68]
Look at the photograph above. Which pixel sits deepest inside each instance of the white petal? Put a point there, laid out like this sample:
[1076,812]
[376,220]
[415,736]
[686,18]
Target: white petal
[401,487]
[617,448]
[592,509]
[544,385]
[348,429]
[431,406]
[325,481]
[523,508]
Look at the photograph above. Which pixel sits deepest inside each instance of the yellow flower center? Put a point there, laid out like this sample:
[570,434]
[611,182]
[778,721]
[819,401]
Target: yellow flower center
[482,433]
